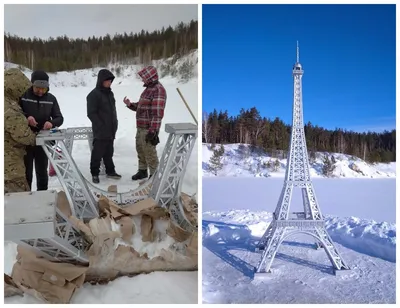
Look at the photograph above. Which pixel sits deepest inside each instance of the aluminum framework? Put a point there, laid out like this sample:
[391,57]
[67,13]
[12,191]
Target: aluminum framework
[164,186]
[133,196]
[168,179]
[46,229]
[297,175]
[33,219]
[82,203]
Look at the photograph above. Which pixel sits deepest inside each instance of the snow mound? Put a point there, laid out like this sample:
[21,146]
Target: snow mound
[245,161]
[365,236]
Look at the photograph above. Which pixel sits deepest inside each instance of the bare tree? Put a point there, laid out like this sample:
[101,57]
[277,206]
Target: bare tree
[364,150]
[206,127]
[259,129]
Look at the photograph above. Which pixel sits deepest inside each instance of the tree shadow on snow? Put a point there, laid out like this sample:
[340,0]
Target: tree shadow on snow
[220,238]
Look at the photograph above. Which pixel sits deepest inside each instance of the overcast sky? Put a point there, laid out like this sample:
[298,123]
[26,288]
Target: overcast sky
[84,20]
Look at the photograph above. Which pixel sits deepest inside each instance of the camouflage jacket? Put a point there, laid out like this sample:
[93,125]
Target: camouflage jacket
[17,134]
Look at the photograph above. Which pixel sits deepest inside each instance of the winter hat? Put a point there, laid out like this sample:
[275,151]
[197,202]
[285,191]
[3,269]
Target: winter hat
[40,79]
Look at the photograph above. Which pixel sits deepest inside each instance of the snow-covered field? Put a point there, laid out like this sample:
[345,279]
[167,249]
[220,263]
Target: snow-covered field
[360,218]
[364,198]
[239,161]
[71,89]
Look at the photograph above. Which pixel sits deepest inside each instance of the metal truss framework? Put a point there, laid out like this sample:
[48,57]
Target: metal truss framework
[164,186]
[133,196]
[297,175]
[168,179]
[56,239]
[48,231]
[82,203]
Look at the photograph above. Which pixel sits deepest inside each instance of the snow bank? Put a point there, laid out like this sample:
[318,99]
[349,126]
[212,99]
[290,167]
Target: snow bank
[365,236]
[238,160]
[125,73]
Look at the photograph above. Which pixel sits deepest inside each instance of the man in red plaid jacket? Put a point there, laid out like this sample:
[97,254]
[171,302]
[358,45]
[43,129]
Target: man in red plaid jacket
[149,114]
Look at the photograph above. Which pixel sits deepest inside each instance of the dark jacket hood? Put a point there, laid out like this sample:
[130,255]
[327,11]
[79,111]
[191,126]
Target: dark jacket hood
[149,75]
[104,75]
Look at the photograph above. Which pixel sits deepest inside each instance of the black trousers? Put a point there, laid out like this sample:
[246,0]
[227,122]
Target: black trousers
[37,154]
[102,149]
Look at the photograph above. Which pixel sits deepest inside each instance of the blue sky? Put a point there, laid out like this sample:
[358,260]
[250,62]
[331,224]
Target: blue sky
[348,53]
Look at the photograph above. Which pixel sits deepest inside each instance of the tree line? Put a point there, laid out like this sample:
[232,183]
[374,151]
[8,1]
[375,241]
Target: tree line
[273,136]
[67,54]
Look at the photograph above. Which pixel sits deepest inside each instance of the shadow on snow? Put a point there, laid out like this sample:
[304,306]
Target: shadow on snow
[236,237]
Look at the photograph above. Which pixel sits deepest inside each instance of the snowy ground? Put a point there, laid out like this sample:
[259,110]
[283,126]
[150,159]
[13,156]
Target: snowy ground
[239,161]
[359,217]
[160,287]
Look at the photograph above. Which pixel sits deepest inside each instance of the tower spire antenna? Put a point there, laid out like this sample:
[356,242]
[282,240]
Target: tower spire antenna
[298,52]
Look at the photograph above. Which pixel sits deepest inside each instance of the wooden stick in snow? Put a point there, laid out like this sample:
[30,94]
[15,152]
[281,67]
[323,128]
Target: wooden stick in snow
[187,106]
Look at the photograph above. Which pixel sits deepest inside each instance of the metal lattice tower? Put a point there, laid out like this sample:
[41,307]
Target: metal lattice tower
[35,220]
[297,175]
[82,203]
[168,179]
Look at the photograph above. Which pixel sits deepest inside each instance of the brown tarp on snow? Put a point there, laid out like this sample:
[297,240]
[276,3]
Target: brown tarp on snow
[49,281]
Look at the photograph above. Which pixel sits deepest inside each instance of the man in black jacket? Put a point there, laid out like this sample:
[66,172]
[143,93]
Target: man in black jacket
[43,112]
[102,113]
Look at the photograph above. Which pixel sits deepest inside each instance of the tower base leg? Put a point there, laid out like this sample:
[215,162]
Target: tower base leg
[262,275]
[279,229]
[342,272]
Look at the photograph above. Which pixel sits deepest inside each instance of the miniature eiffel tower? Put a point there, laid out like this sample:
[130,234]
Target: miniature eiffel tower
[297,175]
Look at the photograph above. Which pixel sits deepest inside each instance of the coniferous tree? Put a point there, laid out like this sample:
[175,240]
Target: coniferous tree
[65,54]
[273,136]
[328,166]
[313,157]
[215,163]
[277,164]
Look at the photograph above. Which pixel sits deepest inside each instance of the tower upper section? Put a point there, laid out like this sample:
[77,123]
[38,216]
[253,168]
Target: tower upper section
[297,68]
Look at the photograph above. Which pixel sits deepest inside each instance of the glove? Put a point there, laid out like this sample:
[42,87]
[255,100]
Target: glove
[152,138]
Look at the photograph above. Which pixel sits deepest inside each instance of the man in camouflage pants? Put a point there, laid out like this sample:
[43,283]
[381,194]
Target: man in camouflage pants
[17,134]
[149,114]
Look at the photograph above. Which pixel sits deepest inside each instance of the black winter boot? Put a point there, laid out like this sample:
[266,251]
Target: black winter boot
[141,174]
[95,179]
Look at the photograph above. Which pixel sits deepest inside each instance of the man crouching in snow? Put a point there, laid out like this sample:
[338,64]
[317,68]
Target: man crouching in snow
[149,114]
[102,113]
